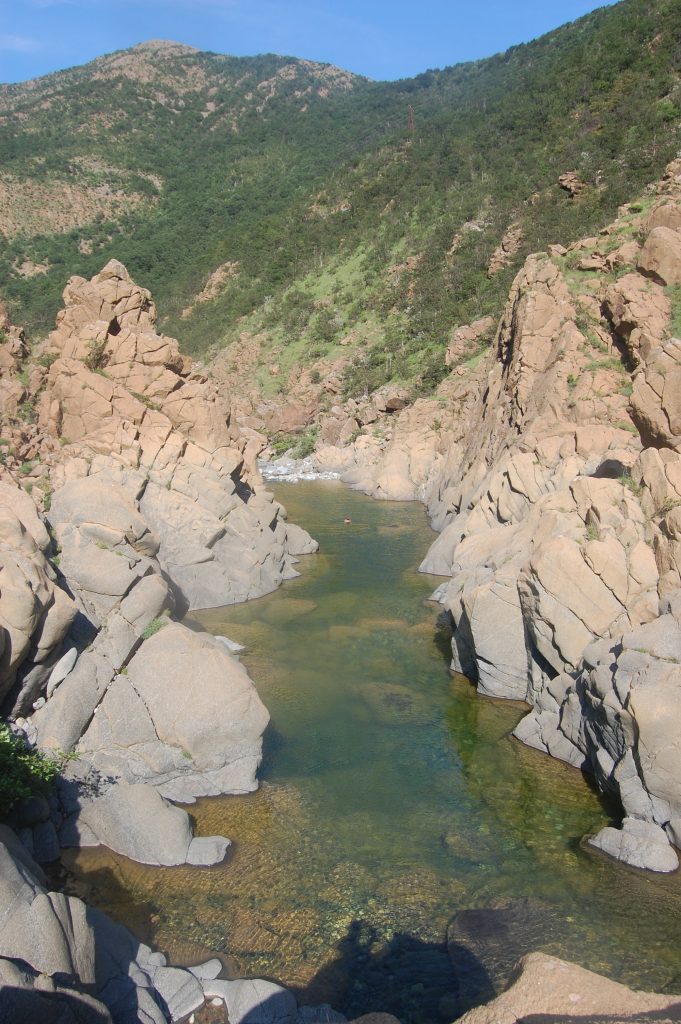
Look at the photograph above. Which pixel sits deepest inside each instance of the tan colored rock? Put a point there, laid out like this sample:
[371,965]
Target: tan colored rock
[464,338]
[571,182]
[660,257]
[656,398]
[506,250]
[665,213]
[545,988]
[625,255]
[639,312]
[123,398]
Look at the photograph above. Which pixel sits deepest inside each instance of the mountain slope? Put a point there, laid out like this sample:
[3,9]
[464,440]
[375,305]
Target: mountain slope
[334,209]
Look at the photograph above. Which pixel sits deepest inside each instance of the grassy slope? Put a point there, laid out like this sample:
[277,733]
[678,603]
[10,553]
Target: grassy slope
[317,204]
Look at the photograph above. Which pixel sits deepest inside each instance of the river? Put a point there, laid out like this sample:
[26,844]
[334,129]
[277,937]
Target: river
[392,800]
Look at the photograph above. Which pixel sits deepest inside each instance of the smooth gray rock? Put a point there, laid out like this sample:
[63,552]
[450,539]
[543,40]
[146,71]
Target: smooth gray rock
[61,670]
[26,998]
[253,1001]
[180,990]
[123,972]
[639,843]
[205,851]
[208,971]
[187,740]
[47,930]
[136,821]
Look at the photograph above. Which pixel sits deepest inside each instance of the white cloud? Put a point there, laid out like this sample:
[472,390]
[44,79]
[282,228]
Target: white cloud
[18,44]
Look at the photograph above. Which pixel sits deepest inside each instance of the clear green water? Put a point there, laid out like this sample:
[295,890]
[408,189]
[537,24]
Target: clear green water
[392,799]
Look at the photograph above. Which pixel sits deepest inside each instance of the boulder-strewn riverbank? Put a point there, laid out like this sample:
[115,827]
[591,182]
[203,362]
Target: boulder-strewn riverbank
[551,467]
[147,513]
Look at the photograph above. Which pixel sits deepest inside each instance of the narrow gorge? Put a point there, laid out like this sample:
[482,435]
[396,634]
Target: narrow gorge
[340,660]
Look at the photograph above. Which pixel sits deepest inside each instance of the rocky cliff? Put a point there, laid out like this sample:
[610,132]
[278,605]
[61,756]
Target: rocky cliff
[152,505]
[552,467]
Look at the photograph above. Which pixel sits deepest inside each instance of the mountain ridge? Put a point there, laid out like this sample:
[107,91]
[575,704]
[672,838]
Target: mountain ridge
[399,209]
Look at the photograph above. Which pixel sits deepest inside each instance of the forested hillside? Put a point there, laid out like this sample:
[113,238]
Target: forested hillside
[312,207]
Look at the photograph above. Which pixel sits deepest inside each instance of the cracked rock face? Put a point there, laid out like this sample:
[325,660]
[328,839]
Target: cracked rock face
[35,613]
[135,416]
[153,513]
[561,508]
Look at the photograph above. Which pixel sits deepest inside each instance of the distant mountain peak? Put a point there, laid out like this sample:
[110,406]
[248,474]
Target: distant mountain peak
[165,47]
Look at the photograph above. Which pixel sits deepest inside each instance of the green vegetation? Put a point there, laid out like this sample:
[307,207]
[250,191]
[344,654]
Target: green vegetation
[154,626]
[628,481]
[593,531]
[674,295]
[23,772]
[299,445]
[340,219]
[95,359]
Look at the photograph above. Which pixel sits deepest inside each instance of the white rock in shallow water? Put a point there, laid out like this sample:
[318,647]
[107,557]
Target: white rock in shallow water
[639,843]
[204,851]
[207,971]
[231,645]
[179,989]
[253,1001]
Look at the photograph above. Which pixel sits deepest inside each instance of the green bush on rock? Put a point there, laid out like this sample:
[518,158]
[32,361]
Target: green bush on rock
[23,771]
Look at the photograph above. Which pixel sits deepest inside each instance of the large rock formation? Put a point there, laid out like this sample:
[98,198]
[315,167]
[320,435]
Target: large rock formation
[560,531]
[157,507]
[133,414]
[552,470]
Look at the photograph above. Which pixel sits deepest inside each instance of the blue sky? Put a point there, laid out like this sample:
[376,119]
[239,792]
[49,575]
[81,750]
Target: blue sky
[382,39]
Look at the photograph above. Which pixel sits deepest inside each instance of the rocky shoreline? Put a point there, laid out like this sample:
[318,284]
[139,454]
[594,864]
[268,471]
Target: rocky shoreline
[550,466]
[146,514]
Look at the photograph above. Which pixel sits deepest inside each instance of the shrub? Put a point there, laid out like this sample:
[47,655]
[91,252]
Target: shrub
[23,772]
[96,358]
[154,626]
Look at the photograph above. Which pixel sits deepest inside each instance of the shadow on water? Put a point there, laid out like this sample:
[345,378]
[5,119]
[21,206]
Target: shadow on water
[416,981]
